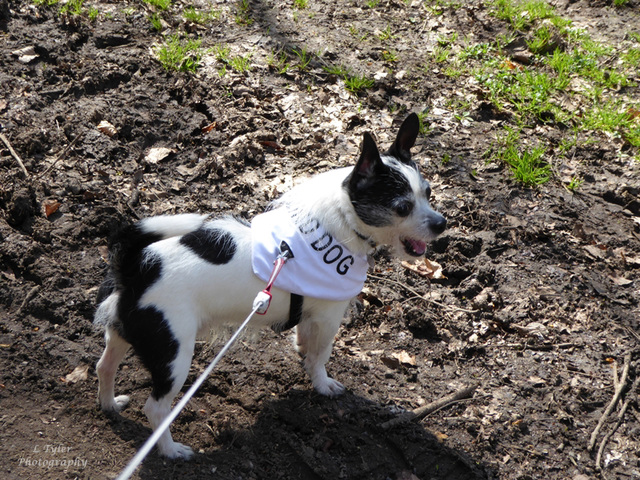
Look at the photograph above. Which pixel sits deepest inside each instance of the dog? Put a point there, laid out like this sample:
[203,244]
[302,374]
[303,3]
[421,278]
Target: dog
[174,277]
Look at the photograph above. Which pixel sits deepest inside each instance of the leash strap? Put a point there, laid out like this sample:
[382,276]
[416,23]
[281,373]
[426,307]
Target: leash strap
[260,306]
[265,295]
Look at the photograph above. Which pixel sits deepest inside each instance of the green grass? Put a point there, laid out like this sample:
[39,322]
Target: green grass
[389,56]
[156,23]
[93,14]
[300,4]
[574,184]
[338,70]
[241,64]
[279,61]
[176,54]
[528,167]
[353,82]
[424,127]
[159,4]
[304,58]
[191,14]
[243,13]
[72,7]
[45,3]
[613,117]
[521,15]
[386,34]
[357,83]
[440,54]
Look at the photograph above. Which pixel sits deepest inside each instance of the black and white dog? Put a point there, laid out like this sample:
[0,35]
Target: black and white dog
[173,277]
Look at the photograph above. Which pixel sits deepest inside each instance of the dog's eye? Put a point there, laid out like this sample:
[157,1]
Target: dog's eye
[404,209]
[427,192]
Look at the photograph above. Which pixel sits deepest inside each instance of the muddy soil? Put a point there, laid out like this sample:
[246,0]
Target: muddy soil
[538,304]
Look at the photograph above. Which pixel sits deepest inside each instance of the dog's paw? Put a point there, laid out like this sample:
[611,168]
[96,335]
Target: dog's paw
[116,404]
[330,388]
[177,451]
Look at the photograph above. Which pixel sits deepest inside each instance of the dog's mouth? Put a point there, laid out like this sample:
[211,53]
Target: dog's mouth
[415,248]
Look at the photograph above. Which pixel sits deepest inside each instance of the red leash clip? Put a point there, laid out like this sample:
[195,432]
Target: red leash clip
[264,297]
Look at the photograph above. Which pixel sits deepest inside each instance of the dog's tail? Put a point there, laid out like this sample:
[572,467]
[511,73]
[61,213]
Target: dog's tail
[125,249]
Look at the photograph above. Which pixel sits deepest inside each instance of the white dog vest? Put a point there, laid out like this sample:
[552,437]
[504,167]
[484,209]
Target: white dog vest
[320,268]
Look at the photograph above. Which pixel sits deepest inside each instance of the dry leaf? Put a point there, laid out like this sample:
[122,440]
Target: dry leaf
[427,268]
[621,282]
[26,54]
[79,373]
[157,154]
[405,359]
[208,128]
[270,144]
[107,128]
[51,207]
[398,359]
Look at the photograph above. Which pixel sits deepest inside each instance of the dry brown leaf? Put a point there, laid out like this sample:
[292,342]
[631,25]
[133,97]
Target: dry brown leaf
[107,128]
[208,128]
[157,154]
[51,207]
[398,359]
[621,282]
[405,359]
[81,372]
[427,268]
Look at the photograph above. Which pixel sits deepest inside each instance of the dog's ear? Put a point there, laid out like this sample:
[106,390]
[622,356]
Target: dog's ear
[406,139]
[368,165]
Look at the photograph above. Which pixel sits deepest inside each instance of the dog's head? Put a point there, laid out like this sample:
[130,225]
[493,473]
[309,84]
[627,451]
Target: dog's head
[391,198]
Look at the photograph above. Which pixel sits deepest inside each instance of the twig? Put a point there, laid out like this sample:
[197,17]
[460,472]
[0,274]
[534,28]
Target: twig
[421,297]
[14,155]
[425,410]
[58,157]
[32,293]
[613,402]
[606,438]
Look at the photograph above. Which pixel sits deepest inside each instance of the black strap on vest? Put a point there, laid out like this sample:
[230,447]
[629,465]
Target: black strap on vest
[295,314]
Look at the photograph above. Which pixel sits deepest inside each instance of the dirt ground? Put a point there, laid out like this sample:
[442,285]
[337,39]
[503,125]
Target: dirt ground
[539,306]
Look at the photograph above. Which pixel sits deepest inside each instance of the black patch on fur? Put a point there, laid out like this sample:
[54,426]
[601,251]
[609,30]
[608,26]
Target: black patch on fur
[375,199]
[132,274]
[151,338]
[146,328]
[126,248]
[213,245]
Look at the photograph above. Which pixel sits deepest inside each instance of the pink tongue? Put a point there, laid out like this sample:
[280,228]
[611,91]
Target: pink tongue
[418,246]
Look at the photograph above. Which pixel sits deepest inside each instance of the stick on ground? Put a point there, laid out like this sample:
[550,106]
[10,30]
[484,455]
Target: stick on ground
[612,404]
[425,410]
[5,140]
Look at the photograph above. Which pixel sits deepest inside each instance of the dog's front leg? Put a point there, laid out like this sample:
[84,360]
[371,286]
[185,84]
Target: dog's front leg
[315,336]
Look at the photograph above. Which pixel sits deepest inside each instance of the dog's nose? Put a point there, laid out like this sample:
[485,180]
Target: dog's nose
[439,225]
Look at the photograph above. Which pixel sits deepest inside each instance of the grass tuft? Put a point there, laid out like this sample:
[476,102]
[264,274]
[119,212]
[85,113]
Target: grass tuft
[180,55]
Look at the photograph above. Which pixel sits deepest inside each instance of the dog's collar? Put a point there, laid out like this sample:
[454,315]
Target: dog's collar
[369,240]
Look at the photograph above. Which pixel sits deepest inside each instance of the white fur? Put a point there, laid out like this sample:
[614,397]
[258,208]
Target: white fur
[195,295]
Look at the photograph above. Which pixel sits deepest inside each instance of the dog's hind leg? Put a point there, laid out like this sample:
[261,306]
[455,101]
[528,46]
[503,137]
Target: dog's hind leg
[107,367]
[158,407]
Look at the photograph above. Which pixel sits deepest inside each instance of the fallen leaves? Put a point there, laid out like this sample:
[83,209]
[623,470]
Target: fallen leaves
[51,207]
[80,373]
[26,55]
[158,154]
[107,128]
[426,268]
[399,359]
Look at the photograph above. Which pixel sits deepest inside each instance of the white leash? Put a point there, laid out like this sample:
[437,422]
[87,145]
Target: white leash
[260,306]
